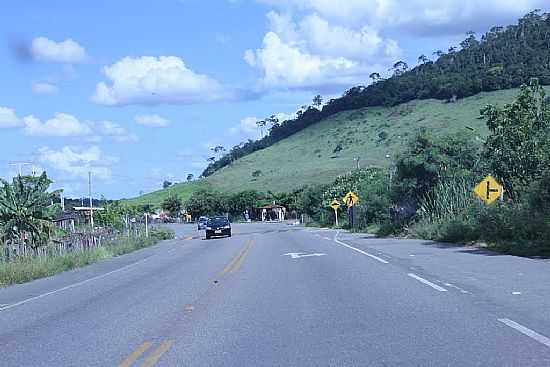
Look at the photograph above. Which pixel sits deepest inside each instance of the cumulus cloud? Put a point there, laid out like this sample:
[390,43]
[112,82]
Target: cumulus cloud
[77,162]
[246,129]
[44,88]
[285,65]
[313,53]
[8,118]
[66,52]
[152,121]
[67,125]
[154,80]
[62,124]
[364,43]
[420,16]
[115,131]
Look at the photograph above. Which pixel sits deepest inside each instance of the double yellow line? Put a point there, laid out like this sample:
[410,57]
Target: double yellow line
[235,264]
[153,357]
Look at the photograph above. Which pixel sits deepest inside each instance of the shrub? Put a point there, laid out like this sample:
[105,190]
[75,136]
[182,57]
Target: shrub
[388,228]
[162,233]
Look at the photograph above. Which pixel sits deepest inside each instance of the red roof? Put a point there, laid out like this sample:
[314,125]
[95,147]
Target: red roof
[271,206]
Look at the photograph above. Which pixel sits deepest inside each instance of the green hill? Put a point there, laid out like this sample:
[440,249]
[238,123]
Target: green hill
[322,151]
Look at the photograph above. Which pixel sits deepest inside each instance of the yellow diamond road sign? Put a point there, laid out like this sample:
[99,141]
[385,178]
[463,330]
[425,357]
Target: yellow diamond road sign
[351,199]
[489,190]
[335,204]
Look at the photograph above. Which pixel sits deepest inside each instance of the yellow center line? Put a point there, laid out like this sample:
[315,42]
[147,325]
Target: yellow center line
[236,259]
[155,356]
[241,259]
[135,355]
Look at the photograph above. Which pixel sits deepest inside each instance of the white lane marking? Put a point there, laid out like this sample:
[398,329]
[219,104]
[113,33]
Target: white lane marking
[516,293]
[456,287]
[427,282]
[74,285]
[526,331]
[326,238]
[360,251]
[297,255]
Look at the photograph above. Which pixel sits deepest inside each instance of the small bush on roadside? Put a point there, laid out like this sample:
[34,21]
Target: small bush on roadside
[389,228]
[162,233]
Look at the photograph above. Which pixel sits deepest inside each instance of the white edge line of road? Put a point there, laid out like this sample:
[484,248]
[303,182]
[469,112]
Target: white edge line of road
[358,250]
[526,331]
[74,285]
[427,282]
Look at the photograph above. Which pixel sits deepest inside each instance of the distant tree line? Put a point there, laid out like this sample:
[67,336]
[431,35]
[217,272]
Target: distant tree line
[504,57]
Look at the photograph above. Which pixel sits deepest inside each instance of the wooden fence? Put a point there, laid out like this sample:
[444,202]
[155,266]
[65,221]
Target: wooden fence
[78,241]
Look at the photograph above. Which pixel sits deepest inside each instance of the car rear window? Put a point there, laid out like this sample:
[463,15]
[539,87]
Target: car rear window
[218,221]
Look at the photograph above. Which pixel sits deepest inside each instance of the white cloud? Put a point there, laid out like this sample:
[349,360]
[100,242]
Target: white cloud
[44,88]
[66,125]
[152,121]
[315,54]
[282,117]
[8,118]
[62,124]
[334,40]
[246,129]
[77,162]
[285,65]
[153,80]
[67,52]
[116,132]
[421,16]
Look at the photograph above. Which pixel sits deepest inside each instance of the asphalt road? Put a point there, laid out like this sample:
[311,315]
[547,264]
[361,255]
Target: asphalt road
[279,295]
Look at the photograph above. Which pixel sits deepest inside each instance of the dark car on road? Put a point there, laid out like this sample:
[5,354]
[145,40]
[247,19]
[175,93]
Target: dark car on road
[218,226]
[202,223]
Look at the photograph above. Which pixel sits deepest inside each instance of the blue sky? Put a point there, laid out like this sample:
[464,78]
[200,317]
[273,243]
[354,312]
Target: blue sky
[138,91]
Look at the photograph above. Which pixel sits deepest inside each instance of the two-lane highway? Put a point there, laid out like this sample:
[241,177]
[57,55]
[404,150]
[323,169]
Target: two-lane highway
[279,295]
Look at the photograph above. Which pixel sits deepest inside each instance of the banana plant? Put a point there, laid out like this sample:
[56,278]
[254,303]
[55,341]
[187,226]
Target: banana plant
[24,214]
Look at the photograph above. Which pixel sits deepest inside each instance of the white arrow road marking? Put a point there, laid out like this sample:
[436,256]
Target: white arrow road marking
[297,255]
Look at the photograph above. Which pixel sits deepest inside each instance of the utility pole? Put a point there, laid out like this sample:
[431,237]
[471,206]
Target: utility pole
[146,225]
[91,201]
[62,201]
[357,160]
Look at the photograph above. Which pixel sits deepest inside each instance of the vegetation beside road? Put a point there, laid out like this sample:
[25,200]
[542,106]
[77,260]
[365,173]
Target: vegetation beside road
[428,191]
[308,157]
[32,246]
[24,269]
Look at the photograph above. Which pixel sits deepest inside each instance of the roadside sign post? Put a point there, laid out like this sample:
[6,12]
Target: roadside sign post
[351,199]
[489,190]
[146,225]
[335,204]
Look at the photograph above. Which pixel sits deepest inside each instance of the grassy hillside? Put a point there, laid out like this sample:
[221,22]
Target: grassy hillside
[310,156]
[183,190]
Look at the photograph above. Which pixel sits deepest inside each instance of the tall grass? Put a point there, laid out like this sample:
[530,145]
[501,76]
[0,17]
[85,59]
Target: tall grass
[449,213]
[449,198]
[24,269]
